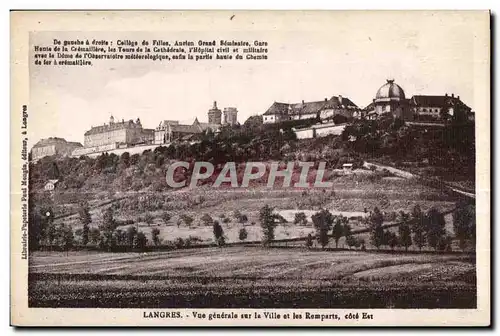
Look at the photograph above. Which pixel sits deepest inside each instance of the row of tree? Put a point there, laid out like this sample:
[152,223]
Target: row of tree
[416,228]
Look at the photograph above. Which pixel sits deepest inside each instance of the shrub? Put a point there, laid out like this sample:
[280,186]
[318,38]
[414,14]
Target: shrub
[243,234]
[323,221]
[179,242]
[155,232]
[300,218]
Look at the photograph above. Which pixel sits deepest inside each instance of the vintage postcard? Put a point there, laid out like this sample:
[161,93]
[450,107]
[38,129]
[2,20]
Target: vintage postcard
[250,168]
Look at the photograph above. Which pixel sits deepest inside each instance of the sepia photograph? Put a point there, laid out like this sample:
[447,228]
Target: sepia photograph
[256,167]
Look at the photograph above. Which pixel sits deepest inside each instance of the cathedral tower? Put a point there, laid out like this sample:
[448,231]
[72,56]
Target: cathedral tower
[215,115]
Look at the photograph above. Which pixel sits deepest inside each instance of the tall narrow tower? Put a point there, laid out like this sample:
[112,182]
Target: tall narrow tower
[230,116]
[215,115]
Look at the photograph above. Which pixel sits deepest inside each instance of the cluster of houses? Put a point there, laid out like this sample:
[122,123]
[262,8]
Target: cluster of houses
[390,98]
[118,136]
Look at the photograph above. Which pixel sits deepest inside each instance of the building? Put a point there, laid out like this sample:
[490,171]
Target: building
[319,130]
[338,105]
[230,116]
[53,146]
[323,109]
[278,112]
[50,185]
[118,134]
[390,98]
[347,168]
[170,130]
[427,108]
[215,115]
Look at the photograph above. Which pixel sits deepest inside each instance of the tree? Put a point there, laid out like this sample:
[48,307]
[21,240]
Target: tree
[50,232]
[148,218]
[417,217]
[85,219]
[187,219]
[253,122]
[378,236]
[376,218]
[78,233]
[300,218]
[323,221]
[268,223]
[338,232]
[207,220]
[392,240]
[444,243]
[107,240]
[166,217]
[405,231]
[362,243]
[131,233]
[243,219]
[85,234]
[125,159]
[140,241]
[435,225]
[155,233]
[309,241]
[464,224]
[94,235]
[36,228]
[347,231]
[107,227]
[65,237]
[44,224]
[419,237]
[236,214]
[218,233]
[119,237]
[179,242]
[351,241]
[108,222]
[243,234]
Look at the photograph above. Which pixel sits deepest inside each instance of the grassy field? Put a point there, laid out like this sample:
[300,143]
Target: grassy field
[350,196]
[251,277]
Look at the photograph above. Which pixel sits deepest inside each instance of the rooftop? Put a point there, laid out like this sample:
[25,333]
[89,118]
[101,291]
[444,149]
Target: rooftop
[309,107]
[114,126]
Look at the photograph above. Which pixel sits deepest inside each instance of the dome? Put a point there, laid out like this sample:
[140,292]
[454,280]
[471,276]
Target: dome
[390,90]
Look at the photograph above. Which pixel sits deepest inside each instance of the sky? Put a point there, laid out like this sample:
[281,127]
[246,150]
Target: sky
[350,56]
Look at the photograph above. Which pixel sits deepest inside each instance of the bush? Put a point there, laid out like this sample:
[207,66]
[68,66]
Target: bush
[155,233]
[179,242]
[243,234]
[300,218]
[140,240]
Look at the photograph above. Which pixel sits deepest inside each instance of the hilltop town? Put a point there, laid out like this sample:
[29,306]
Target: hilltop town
[319,118]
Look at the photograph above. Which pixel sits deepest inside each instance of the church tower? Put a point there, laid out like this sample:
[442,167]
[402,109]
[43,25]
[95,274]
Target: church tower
[215,115]
[230,116]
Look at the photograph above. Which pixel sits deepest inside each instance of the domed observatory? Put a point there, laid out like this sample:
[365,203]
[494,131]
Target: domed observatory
[390,98]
